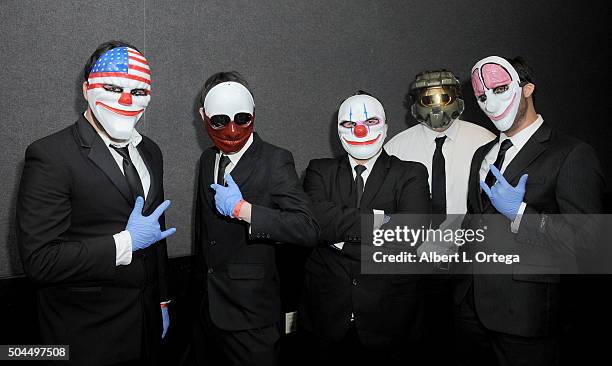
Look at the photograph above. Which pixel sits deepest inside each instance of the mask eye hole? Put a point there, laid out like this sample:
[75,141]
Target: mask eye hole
[500,89]
[371,122]
[219,120]
[348,124]
[113,88]
[139,92]
[435,100]
[482,98]
[242,118]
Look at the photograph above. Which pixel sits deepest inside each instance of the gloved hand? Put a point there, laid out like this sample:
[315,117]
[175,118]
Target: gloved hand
[145,230]
[165,320]
[226,198]
[505,198]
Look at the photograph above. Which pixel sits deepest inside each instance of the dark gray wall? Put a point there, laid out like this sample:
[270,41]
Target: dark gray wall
[301,59]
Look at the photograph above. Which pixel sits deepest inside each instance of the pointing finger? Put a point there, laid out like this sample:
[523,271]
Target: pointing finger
[160,209]
[167,233]
[485,188]
[498,175]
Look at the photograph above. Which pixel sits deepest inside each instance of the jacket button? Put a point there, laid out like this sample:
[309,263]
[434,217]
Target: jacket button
[354,282]
[210,271]
[212,243]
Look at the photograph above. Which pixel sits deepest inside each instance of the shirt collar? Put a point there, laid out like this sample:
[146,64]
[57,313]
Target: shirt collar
[520,139]
[369,164]
[450,133]
[235,157]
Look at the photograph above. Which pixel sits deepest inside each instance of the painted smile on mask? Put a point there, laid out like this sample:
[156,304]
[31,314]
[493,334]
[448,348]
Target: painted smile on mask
[120,111]
[368,142]
[504,113]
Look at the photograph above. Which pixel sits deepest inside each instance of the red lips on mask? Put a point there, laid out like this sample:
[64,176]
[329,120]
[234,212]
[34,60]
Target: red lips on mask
[230,138]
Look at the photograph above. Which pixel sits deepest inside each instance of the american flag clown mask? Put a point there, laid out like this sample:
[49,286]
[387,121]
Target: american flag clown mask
[118,90]
[362,127]
[498,90]
[228,115]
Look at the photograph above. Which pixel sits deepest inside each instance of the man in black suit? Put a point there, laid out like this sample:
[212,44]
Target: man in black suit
[349,316]
[97,260]
[240,219]
[520,184]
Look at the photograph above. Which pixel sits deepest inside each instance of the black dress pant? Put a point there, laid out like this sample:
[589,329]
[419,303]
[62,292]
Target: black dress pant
[215,346]
[351,351]
[478,346]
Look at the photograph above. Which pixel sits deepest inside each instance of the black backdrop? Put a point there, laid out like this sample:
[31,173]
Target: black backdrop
[300,57]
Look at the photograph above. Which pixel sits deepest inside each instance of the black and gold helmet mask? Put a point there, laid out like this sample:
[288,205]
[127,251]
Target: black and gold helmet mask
[436,99]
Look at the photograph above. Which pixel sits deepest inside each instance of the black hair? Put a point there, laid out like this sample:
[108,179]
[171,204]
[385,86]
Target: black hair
[524,71]
[363,92]
[218,78]
[100,51]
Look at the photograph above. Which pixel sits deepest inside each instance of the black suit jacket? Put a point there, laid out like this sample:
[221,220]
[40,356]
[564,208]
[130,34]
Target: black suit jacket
[237,269]
[386,307]
[564,178]
[72,199]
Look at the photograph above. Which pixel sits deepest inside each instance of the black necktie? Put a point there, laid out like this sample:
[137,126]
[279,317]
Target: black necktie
[490,179]
[130,172]
[359,169]
[223,163]
[438,184]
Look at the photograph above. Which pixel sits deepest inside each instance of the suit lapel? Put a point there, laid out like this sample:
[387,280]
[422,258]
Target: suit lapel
[102,158]
[345,184]
[209,174]
[154,175]
[474,181]
[530,151]
[247,163]
[375,179]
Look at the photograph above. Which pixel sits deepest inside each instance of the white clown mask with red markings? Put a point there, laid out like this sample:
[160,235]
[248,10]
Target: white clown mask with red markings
[118,90]
[498,90]
[362,126]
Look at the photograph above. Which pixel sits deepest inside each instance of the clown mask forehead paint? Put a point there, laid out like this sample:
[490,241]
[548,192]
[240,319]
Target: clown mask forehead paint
[498,90]
[361,126]
[228,114]
[118,90]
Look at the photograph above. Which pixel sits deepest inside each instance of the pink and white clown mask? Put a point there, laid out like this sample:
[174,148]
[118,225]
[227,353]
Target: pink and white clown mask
[498,90]
[362,127]
[118,90]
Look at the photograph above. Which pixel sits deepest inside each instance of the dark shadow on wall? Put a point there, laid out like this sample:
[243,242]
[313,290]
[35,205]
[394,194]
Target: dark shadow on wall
[334,141]
[13,261]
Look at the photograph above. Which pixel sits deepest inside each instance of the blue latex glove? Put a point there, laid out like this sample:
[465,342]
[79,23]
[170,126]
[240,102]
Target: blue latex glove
[226,198]
[165,320]
[505,198]
[145,230]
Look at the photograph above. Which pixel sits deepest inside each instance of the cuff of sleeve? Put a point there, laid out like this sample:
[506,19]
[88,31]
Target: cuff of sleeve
[123,248]
[379,218]
[514,225]
[236,210]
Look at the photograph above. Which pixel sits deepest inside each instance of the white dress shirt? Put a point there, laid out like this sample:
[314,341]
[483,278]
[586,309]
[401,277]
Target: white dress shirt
[462,140]
[518,141]
[123,240]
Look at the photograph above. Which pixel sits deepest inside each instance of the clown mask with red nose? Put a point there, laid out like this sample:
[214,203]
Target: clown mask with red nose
[498,90]
[361,126]
[228,115]
[118,90]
